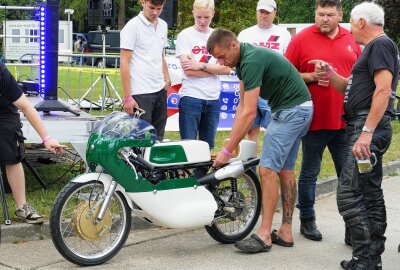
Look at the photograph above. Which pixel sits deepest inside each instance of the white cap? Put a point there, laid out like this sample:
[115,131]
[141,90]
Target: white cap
[268,5]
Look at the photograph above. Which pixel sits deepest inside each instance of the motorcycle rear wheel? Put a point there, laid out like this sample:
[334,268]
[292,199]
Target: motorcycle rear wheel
[238,224]
[73,231]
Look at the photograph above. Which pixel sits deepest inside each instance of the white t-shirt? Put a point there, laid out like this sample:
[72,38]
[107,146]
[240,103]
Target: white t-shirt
[147,45]
[275,38]
[193,43]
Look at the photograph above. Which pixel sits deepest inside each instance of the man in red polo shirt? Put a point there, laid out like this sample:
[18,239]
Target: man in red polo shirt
[328,41]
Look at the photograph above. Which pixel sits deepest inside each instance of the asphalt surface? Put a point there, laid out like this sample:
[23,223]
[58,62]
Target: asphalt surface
[193,249]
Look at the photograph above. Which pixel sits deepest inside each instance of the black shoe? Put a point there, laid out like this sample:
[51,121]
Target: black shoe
[309,229]
[354,264]
[347,237]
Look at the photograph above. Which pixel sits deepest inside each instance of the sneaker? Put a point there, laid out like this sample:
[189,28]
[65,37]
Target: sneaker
[29,214]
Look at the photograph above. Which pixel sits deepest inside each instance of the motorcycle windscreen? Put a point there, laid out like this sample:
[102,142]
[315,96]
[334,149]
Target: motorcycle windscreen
[123,125]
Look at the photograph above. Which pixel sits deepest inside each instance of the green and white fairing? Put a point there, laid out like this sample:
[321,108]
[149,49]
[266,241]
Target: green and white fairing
[173,203]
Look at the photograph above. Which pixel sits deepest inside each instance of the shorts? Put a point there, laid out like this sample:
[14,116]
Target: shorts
[12,148]
[263,116]
[283,136]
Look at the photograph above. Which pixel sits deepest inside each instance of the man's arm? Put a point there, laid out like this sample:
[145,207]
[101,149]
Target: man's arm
[193,68]
[125,61]
[33,117]
[383,90]
[244,117]
[167,78]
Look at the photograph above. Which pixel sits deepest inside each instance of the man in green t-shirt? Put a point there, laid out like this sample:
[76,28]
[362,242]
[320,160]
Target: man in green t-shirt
[269,75]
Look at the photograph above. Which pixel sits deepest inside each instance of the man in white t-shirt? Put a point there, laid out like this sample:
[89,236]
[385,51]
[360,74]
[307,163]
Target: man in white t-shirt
[144,71]
[273,37]
[199,105]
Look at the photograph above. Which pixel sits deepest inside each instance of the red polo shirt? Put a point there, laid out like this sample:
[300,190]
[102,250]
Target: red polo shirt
[341,52]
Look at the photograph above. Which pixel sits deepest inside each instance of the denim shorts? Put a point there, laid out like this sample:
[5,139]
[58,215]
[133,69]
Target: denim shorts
[263,116]
[283,136]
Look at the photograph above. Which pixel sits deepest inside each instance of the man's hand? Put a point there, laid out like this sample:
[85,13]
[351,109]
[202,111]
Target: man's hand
[53,146]
[361,148]
[322,69]
[130,105]
[221,159]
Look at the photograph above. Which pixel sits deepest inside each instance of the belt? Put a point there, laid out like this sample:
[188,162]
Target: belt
[306,104]
[354,113]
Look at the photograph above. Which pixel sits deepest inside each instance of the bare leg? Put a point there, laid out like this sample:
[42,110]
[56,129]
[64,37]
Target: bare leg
[269,182]
[252,135]
[16,179]
[288,195]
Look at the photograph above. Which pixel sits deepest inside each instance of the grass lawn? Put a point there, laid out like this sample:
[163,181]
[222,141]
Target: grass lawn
[80,80]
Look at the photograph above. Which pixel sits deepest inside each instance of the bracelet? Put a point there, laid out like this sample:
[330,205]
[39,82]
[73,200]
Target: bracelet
[330,73]
[45,139]
[127,99]
[227,152]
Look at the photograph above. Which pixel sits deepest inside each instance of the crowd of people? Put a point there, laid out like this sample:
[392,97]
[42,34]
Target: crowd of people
[318,89]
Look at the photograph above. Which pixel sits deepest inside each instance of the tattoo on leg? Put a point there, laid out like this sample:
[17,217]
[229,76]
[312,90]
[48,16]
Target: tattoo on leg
[288,196]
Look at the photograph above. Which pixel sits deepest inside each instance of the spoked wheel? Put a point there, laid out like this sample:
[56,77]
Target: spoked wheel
[74,231]
[236,216]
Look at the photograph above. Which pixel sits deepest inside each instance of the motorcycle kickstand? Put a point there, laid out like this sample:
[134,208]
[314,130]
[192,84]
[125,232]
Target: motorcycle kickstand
[106,202]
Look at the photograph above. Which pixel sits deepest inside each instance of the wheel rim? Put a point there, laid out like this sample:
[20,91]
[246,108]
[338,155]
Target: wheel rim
[82,242]
[237,222]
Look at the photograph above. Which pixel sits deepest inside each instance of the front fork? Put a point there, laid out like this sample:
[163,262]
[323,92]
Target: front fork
[106,202]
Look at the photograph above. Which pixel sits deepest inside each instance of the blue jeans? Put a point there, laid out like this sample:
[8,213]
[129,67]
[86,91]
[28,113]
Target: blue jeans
[199,117]
[263,116]
[313,146]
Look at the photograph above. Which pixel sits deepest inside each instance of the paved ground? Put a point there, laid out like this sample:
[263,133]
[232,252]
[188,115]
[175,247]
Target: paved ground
[194,249]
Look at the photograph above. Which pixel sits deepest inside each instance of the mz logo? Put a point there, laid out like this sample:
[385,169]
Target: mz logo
[200,49]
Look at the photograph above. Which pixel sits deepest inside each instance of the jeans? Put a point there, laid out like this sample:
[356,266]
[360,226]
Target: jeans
[199,117]
[283,136]
[313,146]
[360,197]
[155,105]
[263,116]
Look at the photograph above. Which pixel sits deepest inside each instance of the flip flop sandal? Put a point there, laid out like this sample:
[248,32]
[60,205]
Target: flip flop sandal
[252,245]
[279,241]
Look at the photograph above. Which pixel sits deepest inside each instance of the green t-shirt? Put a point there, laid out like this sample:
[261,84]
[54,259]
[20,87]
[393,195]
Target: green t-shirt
[280,83]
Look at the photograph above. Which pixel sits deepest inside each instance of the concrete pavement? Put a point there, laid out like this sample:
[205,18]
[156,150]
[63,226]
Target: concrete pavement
[194,249]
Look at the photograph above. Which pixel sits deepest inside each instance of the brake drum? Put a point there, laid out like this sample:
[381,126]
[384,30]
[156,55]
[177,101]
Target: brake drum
[84,224]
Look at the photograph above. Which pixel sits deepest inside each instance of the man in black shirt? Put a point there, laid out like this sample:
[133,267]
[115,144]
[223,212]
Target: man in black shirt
[368,103]
[11,141]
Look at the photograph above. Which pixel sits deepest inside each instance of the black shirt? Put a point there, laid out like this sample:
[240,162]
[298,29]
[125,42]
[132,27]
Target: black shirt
[380,53]
[9,92]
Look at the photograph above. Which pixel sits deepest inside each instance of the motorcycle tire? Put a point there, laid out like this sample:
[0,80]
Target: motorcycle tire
[75,234]
[238,224]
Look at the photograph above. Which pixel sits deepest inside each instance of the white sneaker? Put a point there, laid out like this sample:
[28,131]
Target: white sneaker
[29,214]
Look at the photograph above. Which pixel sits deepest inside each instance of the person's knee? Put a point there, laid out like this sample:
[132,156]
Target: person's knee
[253,133]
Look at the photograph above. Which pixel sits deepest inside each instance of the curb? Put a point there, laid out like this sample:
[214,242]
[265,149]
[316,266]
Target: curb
[29,232]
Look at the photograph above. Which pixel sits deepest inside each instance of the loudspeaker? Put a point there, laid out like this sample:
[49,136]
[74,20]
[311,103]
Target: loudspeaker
[101,12]
[170,13]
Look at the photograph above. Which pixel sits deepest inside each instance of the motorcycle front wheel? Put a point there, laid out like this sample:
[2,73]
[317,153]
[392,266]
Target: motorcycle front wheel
[237,215]
[74,230]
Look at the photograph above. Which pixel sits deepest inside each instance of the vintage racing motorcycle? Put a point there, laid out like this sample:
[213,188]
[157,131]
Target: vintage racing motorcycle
[171,184]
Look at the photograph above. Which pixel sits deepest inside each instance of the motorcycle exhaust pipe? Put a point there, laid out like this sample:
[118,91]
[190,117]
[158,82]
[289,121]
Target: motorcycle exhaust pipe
[232,170]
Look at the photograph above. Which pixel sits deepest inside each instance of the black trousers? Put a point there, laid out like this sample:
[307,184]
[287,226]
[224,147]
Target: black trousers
[359,196]
[155,105]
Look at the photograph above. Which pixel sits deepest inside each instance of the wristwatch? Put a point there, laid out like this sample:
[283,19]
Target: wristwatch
[368,130]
